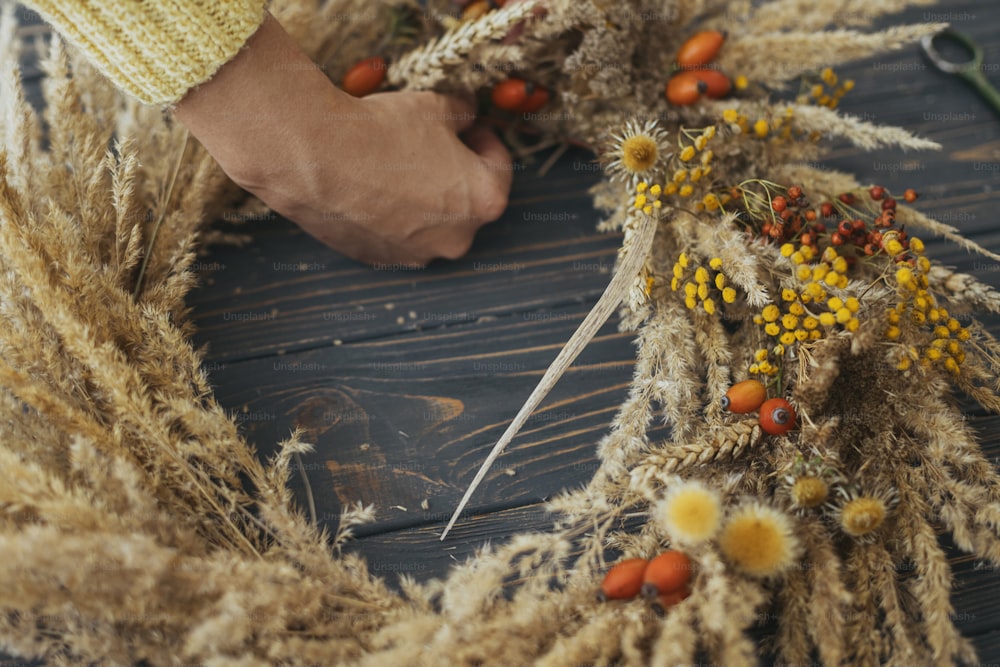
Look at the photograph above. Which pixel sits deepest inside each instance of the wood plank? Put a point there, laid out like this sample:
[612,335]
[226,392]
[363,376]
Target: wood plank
[408,419]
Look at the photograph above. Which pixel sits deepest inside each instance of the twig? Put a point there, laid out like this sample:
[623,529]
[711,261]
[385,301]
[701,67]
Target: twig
[309,491]
[636,249]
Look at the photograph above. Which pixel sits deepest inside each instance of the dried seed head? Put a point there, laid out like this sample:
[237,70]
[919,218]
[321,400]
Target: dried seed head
[809,492]
[639,153]
[690,513]
[862,515]
[635,152]
[759,540]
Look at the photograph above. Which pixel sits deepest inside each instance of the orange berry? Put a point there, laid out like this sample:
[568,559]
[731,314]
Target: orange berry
[777,416]
[668,572]
[365,77]
[685,88]
[476,9]
[700,49]
[668,600]
[519,96]
[744,397]
[511,93]
[717,84]
[624,580]
[538,96]
[910,195]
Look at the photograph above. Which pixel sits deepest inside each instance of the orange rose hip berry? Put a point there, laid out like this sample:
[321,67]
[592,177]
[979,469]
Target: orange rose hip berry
[624,580]
[669,572]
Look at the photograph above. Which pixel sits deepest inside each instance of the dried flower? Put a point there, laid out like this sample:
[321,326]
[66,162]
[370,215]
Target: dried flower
[636,152]
[809,492]
[759,540]
[861,513]
[690,513]
[123,456]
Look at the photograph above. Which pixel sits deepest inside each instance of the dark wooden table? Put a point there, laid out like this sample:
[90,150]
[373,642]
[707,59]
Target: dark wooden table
[405,379]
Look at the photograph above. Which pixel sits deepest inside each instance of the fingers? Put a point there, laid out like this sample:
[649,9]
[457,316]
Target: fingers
[496,163]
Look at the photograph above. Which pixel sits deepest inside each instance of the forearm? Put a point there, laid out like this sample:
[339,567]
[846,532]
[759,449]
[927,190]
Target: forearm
[262,102]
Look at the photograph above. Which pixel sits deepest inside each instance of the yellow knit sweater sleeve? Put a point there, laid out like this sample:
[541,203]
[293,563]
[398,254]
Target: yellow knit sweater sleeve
[156,50]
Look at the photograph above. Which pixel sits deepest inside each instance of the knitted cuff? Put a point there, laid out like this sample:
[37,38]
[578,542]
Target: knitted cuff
[155,50]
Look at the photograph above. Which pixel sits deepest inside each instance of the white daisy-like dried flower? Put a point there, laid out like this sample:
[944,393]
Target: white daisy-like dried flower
[636,153]
[861,513]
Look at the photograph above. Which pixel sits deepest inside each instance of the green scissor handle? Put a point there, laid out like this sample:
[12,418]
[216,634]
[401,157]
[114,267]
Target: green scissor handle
[970,70]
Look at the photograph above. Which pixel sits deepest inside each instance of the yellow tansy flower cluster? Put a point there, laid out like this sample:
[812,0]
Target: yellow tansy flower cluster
[918,309]
[647,198]
[705,287]
[691,171]
[808,313]
[829,271]
[762,127]
[828,95]
[687,174]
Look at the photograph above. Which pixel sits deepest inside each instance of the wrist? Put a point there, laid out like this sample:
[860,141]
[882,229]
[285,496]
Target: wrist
[259,104]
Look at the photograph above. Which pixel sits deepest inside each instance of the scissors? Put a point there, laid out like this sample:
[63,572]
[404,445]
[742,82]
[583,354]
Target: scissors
[971,70]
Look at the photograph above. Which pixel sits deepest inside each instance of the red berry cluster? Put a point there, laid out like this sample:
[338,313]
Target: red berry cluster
[777,416]
[854,231]
[790,216]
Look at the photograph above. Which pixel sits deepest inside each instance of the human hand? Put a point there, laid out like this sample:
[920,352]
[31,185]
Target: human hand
[383,179]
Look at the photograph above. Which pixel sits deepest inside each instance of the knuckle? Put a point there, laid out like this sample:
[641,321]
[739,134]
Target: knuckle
[492,205]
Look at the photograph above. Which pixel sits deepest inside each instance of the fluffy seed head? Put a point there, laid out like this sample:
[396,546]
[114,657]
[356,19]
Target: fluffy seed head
[759,540]
[690,513]
[808,492]
[862,515]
